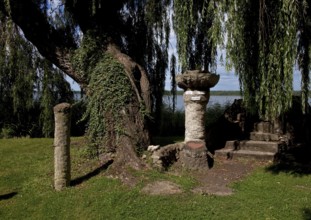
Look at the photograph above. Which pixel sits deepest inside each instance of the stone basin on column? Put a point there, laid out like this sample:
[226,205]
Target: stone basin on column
[196,85]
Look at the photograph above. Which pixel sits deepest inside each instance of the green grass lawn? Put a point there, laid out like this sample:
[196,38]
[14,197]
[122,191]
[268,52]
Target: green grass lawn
[26,192]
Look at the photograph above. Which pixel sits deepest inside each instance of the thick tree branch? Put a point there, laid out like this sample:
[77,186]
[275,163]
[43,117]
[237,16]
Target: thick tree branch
[53,44]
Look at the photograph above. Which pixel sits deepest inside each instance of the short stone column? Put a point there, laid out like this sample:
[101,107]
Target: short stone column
[196,85]
[62,114]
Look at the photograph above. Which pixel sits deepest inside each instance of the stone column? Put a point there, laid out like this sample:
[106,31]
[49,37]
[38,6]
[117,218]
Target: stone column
[196,85]
[62,113]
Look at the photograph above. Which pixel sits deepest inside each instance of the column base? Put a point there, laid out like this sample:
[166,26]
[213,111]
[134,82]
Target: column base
[194,155]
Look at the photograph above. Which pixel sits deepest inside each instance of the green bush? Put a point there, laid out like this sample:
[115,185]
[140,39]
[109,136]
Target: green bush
[7,131]
[172,123]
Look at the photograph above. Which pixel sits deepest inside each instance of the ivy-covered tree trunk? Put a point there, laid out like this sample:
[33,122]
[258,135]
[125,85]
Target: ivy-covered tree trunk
[134,114]
[129,125]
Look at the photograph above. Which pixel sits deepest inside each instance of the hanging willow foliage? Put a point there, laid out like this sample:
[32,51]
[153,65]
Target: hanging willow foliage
[192,22]
[52,89]
[262,47]
[242,46]
[26,79]
[17,78]
[304,51]
[277,46]
[260,37]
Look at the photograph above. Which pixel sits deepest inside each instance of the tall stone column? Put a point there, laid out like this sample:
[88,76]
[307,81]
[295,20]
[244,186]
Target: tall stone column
[196,85]
[62,114]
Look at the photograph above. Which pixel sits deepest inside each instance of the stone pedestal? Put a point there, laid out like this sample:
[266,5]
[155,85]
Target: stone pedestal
[194,155]
[197,86]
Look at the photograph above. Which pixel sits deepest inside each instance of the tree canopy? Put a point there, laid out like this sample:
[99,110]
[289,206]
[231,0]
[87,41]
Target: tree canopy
[263,40]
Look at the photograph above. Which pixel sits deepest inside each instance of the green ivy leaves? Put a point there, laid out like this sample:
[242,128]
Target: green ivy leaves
[109,91]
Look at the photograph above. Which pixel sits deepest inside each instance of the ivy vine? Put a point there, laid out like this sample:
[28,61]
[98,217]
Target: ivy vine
[110,90]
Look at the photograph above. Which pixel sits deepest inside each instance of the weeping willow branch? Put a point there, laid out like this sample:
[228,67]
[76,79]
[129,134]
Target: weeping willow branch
[192,22]
[304,51]
[261,46]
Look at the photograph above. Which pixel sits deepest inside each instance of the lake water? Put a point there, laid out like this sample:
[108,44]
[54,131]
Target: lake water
[214,99]
[168,100]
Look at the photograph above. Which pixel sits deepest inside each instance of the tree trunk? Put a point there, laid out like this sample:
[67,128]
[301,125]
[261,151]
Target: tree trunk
[135,122]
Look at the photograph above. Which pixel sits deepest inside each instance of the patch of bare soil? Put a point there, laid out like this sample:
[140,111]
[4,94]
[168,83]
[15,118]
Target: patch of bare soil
[214,181]
[162,188]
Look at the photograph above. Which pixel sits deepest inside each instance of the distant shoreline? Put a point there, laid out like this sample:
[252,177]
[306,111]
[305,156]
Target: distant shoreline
[225,93]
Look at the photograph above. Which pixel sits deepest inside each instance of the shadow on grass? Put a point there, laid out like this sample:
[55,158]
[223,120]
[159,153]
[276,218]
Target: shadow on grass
[296,161]
[306,213]
[8,196]
[93,173]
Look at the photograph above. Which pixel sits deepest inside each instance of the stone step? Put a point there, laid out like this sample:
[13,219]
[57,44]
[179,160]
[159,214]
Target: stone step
[232,154]
[260,136]
[250,145]
[264,126]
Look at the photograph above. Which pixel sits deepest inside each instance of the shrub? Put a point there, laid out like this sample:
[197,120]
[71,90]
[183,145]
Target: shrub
[7,131]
